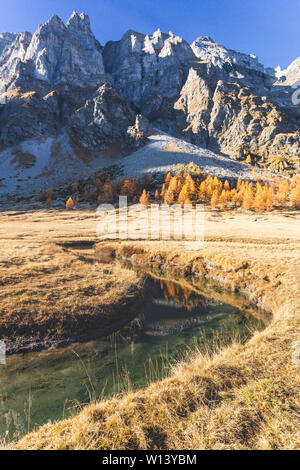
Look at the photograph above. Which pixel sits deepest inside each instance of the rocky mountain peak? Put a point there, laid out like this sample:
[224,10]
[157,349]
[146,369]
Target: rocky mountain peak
[57,53]
[205,39]
[61,83]
[143,64]
[79,22]
[156,40]
[157,34]
[54,22]
[218,55]
[290,75]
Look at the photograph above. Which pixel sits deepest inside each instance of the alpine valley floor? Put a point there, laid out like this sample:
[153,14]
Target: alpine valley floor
[245,396]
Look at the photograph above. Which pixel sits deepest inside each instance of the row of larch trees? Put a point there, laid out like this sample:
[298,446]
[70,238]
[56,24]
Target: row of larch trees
[187,186]
[256,194]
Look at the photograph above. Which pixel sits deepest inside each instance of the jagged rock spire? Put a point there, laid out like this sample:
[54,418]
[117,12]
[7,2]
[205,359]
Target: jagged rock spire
[54,21]
[81,21]
[66,53]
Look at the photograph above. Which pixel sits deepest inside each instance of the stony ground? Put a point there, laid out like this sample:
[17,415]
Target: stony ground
[161,154]
[164,151]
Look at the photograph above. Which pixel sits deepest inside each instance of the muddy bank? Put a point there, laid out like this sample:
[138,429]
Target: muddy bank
[23,336]
[233,276]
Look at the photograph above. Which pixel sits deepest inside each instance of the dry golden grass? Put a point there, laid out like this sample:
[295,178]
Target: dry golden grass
[50,288]
[16,93]
[243,397]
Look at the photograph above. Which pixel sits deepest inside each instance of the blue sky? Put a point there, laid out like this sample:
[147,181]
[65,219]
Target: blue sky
[267,28]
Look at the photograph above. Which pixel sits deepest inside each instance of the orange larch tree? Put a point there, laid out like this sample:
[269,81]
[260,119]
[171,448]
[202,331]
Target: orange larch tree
[163,191]
[283,191]
[295,197]
[70,204]
[144,199]
[248,198]
[168,179]
[215,198]
[169,197]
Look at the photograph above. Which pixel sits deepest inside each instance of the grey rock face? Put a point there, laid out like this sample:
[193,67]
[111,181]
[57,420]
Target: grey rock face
[28,115]
[11,60]
[227,115]
[61,80]
[6,39]
[138,133]
[57,54]
[103,120]
[44,78]
[290,75]
[148,69]
[143,125]
[207,50]
[199,92]
[67,54]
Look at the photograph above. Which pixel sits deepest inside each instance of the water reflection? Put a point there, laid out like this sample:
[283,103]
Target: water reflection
[179,296]
[175,317]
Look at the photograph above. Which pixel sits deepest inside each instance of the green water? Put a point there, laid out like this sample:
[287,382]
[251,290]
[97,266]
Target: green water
[173,322]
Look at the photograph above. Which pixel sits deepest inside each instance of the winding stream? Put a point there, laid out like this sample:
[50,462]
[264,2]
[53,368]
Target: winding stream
[176,318]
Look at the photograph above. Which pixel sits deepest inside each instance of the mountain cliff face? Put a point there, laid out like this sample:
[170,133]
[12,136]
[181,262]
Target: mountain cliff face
[61,83]
[291,75]
[6,39]
[227,114]
[56,54]
[148,70]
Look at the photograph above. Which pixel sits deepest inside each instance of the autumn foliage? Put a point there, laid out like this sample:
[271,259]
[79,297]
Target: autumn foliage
[70,204]
[260,194]
[144,199]
[187,185]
